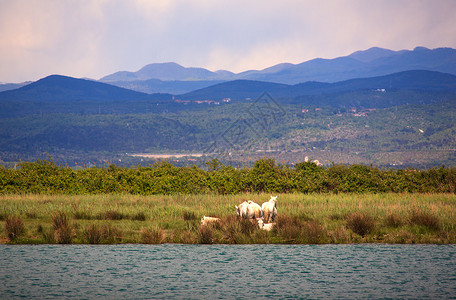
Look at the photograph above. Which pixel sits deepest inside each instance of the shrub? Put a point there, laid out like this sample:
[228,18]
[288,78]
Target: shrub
[61,228]
[152,236]
[13,227]
[425,219]
[232,230]
[206,235]
[360,223]
[289,228]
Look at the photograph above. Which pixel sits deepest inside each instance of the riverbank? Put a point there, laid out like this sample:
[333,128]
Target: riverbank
[302,219]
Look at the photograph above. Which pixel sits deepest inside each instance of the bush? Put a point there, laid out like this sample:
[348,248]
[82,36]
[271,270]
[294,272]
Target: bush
[61,228]
[265,176]
[360,223]
[152,236]
[206,235]
[425,219]
[235,230]
[13,227]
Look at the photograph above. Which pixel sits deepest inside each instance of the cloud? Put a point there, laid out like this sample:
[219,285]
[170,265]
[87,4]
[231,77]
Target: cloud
[94,38]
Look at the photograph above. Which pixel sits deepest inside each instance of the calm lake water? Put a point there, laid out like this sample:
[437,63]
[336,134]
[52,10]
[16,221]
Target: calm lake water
[226,271]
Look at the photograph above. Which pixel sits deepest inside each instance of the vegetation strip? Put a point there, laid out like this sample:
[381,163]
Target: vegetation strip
[266,176]
[302,219]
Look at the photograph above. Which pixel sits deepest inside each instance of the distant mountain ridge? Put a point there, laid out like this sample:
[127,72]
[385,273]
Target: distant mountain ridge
[167,71]
[408,80]
[57,88]
[12,86]
[367,63]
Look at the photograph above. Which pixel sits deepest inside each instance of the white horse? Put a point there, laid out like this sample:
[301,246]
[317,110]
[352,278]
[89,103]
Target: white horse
[270,209]
[249,210]
[265,226]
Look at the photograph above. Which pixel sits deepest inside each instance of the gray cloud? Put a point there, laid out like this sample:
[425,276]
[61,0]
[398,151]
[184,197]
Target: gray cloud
[93,38]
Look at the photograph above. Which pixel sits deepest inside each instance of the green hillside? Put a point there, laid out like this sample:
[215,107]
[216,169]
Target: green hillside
[408,135]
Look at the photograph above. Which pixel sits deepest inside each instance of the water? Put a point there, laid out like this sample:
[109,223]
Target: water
[227,272]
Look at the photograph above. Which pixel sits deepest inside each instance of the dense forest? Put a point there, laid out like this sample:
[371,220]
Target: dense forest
[265,176]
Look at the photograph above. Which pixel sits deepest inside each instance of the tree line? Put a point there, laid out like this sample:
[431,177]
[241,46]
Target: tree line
[265,176]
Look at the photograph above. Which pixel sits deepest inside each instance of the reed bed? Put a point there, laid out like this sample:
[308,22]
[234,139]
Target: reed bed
[302,219]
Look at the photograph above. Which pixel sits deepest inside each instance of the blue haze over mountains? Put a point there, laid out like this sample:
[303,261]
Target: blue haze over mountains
[171,77]
[422,70]
[80,119]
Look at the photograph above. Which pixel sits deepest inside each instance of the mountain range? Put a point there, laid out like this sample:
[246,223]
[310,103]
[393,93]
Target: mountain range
[368,63]
[172,78]
[374,106]
[408,80]
[63,94]
[54,93]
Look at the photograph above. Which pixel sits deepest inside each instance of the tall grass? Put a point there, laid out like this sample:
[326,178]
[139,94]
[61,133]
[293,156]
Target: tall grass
[152,236]
[93,234]
[302,218]
[361,224]
[62,229]
[206,235]
[426,219]
[14,227]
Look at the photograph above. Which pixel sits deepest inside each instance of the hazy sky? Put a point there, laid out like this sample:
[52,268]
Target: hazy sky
[93,38]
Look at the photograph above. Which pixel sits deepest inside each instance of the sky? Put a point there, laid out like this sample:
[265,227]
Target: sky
[94,38]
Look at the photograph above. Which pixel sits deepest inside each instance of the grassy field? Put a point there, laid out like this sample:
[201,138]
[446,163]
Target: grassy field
[302,219]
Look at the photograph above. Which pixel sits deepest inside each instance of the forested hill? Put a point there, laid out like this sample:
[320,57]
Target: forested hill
[63,88]
[409,80]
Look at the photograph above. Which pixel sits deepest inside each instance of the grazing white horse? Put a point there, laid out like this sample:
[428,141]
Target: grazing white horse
[207,220]
[249,210]
[270,209]
[241,210]
[265,226]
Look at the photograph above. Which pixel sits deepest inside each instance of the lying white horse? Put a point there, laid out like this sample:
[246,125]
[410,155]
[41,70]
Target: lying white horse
[249,210]
[270,209]
[208,220]
[265,226]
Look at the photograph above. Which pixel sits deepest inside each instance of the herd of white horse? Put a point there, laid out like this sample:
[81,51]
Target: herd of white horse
[264,215]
